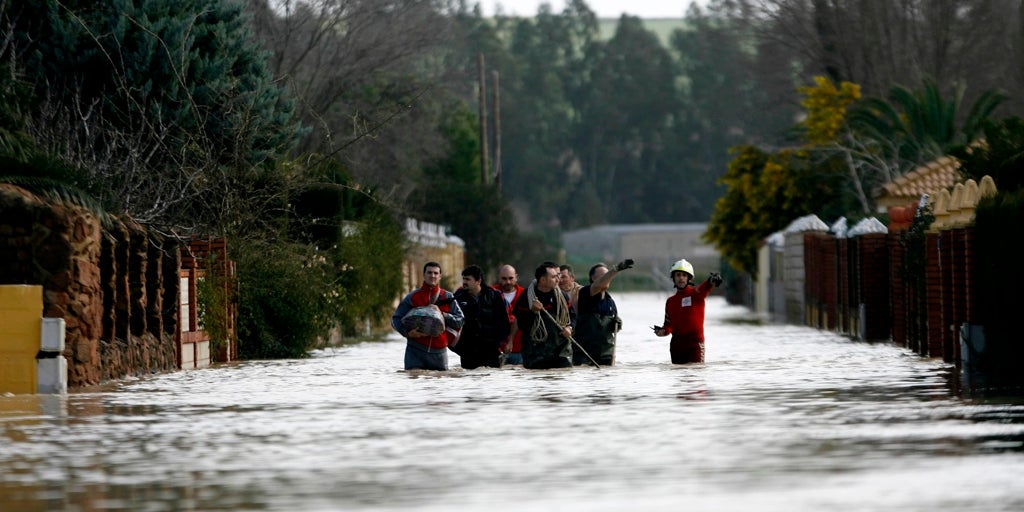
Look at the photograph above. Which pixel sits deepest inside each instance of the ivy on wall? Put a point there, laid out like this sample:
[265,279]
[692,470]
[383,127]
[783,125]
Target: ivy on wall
[912,271]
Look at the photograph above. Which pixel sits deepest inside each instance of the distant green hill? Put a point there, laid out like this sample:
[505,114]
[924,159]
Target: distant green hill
[663,27]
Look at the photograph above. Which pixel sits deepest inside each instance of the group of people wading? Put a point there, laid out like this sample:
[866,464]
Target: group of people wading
[554,322]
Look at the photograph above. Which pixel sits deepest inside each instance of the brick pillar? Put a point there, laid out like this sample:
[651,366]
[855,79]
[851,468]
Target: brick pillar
[914,322]
[948,280]
[935,323]
[154,288]
[84,316]
[829,281]
[171,313]
[970,283]
[144,352]
[842,280]
[108,271]
[851,297]
[138,249]
[953,268]
[897,290]
[122,304]
[812,278]
[874,289]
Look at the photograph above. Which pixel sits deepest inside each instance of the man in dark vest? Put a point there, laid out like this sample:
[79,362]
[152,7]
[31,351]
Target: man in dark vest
[597,316]
[546,318]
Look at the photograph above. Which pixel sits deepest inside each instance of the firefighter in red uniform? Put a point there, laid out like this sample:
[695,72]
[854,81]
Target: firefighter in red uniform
[684,314]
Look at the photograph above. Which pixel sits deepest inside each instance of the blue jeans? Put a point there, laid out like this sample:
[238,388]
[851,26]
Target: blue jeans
[419,357]
[514,358]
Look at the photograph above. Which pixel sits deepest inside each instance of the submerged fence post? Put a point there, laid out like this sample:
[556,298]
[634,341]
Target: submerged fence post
[51,365]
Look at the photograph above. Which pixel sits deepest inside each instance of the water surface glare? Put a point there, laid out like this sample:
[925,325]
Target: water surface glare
[780,418]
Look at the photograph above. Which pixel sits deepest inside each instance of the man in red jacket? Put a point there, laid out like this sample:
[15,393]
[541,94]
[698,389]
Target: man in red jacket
[508,285]
[423,350]
[684,314]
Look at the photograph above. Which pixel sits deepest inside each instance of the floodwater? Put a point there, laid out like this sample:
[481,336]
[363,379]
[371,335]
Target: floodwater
[780,418]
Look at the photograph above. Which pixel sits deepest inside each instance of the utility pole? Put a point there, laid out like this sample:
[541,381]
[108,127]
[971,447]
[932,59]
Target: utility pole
[483,118]
[496,105]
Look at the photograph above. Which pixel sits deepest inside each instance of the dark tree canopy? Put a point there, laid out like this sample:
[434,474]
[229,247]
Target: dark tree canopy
[167,105]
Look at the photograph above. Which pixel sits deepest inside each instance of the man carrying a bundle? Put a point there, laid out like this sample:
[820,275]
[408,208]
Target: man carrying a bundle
[430,320]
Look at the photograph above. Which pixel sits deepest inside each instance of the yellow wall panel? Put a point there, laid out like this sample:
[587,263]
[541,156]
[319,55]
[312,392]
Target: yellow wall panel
[21,312]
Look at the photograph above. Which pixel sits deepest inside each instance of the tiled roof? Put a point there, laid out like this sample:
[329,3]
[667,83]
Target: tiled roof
[941,173]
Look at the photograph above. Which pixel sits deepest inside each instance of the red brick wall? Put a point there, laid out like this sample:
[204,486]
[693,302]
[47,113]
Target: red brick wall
[867,270]
[934,291]
[872,276]
[897,291]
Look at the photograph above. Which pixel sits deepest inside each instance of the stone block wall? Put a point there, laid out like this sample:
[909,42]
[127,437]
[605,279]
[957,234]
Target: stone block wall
[129,346]
[97,280]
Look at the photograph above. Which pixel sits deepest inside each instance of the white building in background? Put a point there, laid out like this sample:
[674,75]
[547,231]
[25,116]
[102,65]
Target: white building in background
[654,247]
[425,242]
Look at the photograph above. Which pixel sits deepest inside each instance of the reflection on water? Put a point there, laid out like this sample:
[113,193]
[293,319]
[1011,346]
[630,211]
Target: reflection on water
[779,418]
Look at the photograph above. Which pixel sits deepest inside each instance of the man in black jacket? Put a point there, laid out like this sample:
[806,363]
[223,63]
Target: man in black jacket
[487,322]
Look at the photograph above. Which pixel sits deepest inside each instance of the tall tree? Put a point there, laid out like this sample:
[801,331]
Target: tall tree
[764,192]
[881,43]
[369,80]
[626,117]
[827,134]
[538,113]
[721,85]
[167,105]
[16,98]
[453,196]
[924,123]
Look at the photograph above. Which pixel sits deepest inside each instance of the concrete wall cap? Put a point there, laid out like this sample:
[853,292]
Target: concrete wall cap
[868,225]
[839,228]
[806,223]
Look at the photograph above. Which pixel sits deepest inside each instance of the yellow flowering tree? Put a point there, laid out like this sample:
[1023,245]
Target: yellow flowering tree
[764,192]
[827,107]
[850,145]
[767,190]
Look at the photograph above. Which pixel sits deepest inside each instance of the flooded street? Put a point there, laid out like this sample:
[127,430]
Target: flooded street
[780,418]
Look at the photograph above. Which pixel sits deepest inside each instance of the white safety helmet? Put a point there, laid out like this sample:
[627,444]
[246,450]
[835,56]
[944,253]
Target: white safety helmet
[681,266]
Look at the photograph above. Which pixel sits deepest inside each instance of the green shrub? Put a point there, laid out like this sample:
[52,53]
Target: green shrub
[214,293]
[367,263]
[281,291]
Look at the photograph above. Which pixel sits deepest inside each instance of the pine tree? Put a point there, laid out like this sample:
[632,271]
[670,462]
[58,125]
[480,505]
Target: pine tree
[167,104]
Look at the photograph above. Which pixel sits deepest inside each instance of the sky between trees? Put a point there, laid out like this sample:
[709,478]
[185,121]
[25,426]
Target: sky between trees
[603,8]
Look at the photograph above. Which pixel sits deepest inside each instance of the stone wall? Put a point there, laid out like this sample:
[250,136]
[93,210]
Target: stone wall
[132,344]
[96,279]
